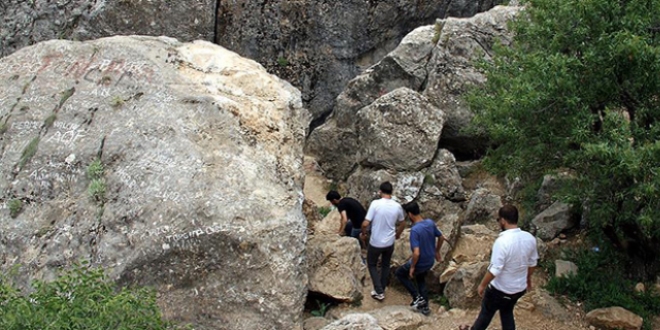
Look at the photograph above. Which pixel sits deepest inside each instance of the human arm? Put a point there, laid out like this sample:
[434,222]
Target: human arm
[413,262]
[365,225]
[342,222]
[399,228]
[530,271]
[438,246]
[484,283]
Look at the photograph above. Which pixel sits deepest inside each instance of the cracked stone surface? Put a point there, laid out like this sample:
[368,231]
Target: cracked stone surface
[200,192]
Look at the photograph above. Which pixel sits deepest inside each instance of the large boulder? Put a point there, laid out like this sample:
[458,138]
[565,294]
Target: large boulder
[177,166]
[553,220]
[398,318]
[614,318]
[461,290]
[483,208]
[318,45]
[26,22]
[436,61]
[452,71]
[335,267]
[354,322]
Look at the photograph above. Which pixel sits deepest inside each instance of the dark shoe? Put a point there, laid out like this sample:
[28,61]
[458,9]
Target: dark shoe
[417,301]
[423,307]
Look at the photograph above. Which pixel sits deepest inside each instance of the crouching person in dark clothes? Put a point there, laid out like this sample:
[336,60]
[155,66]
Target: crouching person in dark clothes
[425,250]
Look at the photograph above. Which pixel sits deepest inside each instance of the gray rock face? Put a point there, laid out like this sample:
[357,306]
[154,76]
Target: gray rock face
[461,290]
[354,322]
[437,64]
[177,166]
[320,45]
[483,208]
[335,267]
[399,131]
[553,220]
[26,22]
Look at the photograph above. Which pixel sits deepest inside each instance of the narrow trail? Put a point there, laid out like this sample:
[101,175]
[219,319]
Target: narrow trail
[527,318]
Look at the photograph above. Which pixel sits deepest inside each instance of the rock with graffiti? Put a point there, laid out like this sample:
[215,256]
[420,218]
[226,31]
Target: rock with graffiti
[172,165]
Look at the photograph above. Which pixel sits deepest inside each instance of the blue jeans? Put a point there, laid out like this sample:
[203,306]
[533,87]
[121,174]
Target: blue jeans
[493,301]
[352,232]
[418,289]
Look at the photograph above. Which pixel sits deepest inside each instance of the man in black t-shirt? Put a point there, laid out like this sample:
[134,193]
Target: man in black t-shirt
[350,210]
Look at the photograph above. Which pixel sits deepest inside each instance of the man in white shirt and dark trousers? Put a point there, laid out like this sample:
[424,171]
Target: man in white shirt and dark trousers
[509,274]
[386,219]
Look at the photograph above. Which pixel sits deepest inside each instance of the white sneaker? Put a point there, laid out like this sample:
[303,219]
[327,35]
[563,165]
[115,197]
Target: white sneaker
[378,296]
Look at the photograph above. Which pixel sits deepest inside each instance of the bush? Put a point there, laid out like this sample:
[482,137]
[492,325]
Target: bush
[597,290]
[80,298]
[578,94]
[325,210]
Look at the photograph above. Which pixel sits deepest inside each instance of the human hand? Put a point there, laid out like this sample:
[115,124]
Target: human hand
[481,290]
[412,272]
[438,256]
[529,284]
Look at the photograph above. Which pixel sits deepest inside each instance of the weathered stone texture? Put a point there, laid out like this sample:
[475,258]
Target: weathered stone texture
[202,157]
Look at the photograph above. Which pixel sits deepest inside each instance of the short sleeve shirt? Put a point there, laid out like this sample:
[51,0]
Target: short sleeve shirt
[384,214]
[422,236]
[354,210]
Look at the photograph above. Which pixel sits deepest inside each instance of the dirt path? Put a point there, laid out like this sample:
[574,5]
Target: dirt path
[526,317]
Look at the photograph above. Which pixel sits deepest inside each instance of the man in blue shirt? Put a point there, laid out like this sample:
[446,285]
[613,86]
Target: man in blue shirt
[425,250]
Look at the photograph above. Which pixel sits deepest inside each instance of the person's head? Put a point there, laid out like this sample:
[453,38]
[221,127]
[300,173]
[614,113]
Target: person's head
[333,197]
[386,188]
[412,210]
[508,214]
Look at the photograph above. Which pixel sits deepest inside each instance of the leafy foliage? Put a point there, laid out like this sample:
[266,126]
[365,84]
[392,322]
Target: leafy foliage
[598,291]
[325,210]
[95,170]
[80,298]
[577,92]
[322,309]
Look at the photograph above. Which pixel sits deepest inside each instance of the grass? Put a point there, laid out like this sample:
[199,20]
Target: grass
[66,95]
[117,102]
[29,152]
[282,61]
[324,211]
[50,120]
[96,190]
[95,170]
[15,207]
[438,31]
[322,309]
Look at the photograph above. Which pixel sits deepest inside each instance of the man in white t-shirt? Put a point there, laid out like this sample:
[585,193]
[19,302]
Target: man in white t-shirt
[386,219]
[509,275]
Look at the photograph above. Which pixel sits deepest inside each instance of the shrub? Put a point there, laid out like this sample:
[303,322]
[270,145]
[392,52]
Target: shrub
[325,210]
[96,190]
[95,170]
[80,298]
[598,291]
[15,207]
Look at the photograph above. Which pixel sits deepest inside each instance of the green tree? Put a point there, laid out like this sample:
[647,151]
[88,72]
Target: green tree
[578,91]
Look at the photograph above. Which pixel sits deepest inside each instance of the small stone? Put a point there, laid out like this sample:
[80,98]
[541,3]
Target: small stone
[640,287]
[562,236]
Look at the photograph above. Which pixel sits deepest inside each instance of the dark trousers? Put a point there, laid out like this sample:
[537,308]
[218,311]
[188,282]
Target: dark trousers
[493,301]
[419,287]
[385,255]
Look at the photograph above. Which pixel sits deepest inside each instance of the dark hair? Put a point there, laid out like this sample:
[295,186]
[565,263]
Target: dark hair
[386,188]
[332,195]
[411,207]
[509,213]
